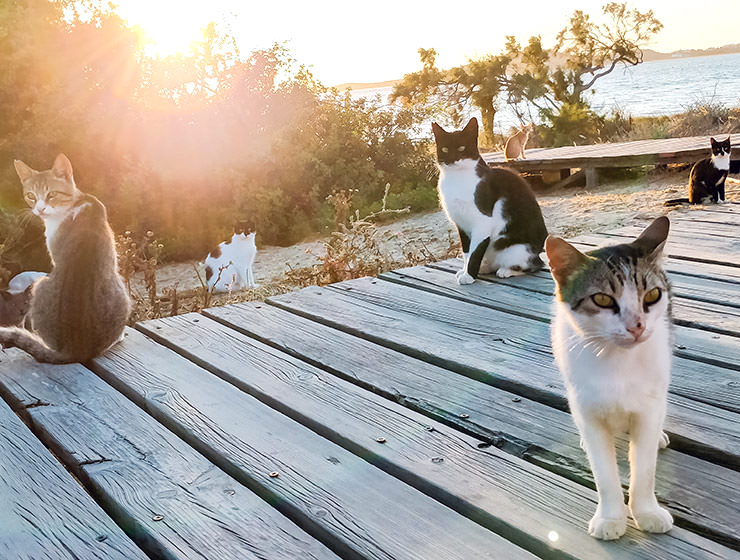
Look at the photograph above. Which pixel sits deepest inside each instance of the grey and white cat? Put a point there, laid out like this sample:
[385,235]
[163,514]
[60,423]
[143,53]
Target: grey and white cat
[612,340]
[229,266]
[495,211]
[16,300]
[80,309]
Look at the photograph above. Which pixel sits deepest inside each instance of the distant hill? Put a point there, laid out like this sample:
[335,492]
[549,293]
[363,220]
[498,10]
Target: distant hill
[648,55]
[369,85]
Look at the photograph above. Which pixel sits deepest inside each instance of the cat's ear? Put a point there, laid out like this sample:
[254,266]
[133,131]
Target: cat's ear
[563,258]
[471,127]
[712,141]
[62,168]
[437,130]
[651,240]
[24,172]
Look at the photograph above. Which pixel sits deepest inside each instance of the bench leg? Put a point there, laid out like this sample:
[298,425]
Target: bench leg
[592,177]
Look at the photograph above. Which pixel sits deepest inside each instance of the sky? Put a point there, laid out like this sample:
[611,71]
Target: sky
[346,41]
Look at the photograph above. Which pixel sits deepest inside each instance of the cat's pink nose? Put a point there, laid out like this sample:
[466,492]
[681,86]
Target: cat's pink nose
[636,330]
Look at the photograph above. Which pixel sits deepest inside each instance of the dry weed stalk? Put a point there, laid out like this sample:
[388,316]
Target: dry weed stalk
[361,249]
[142,257]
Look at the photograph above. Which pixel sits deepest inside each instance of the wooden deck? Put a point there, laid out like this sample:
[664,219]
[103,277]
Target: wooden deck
[402,417]
[589,159]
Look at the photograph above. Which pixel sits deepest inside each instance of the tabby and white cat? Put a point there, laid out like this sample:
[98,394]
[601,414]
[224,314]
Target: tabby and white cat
[516,143]
[229,266]
[612,340]
[707,176]
[495,211]
[80,309]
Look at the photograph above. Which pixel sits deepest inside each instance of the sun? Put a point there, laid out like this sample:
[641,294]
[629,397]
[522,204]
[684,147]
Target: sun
[165,27]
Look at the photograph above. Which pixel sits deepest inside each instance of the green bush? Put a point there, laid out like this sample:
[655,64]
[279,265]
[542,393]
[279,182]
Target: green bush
[186,145]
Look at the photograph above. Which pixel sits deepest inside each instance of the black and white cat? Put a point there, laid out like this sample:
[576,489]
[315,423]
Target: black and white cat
[495,211]
[707,177]
[229,266]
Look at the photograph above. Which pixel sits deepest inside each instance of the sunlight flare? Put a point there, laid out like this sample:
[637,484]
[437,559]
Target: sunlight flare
[164,28]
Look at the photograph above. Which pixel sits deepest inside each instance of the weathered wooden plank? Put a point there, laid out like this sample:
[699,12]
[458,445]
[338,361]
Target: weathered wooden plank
[535,432]
[353,507]
[724,214]
[678,266]
[174,502]
[531,296]
[510,352]
[706,228]
[708,383]
[618,154]
[45,514]
[679,245]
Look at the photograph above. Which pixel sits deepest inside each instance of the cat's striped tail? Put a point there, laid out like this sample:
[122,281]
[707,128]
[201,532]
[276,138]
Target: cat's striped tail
[15,337]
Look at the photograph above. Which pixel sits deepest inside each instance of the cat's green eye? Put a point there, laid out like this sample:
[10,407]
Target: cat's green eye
[652,296]
[461,149]
[445,149]
[30,197]
[603,300]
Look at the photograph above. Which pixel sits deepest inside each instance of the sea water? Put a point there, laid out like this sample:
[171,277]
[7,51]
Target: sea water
[660,87]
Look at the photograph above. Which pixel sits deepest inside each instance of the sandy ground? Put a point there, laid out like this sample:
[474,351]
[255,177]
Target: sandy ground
[567,213]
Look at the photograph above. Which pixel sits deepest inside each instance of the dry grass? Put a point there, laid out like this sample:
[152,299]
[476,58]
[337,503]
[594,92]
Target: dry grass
[358,248]
[701,118]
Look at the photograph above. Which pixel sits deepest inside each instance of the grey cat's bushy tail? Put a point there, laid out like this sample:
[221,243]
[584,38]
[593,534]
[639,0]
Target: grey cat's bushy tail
[535,264]
[15,337]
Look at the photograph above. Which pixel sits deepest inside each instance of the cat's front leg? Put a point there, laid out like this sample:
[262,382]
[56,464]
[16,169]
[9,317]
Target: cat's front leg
[250,278]
[465,242]
[610,520]
[645,438]
[478,245]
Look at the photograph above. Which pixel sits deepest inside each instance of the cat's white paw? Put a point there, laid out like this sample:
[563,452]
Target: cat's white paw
[607,529]
[658,520]
[464,278]
[663,440]
[504,273]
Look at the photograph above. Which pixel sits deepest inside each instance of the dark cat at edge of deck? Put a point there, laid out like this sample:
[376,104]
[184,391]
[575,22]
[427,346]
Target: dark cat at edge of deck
[707,176]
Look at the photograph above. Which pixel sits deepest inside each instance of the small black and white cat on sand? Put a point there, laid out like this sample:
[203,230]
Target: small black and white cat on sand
[229,266]
[707,176]
[612,341]
[80,309]
[495,211]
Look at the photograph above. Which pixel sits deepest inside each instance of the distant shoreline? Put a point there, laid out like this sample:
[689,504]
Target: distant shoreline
[367,85]
[649,55]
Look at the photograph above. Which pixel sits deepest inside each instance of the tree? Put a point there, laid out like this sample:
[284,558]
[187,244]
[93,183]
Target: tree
[553,81]
[479,83]
[185,145]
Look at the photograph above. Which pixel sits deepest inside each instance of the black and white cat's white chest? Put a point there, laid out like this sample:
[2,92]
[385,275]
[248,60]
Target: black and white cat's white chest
[466,196]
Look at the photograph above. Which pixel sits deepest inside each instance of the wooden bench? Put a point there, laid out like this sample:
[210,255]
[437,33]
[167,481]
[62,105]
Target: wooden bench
[399,417]
[589,159]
